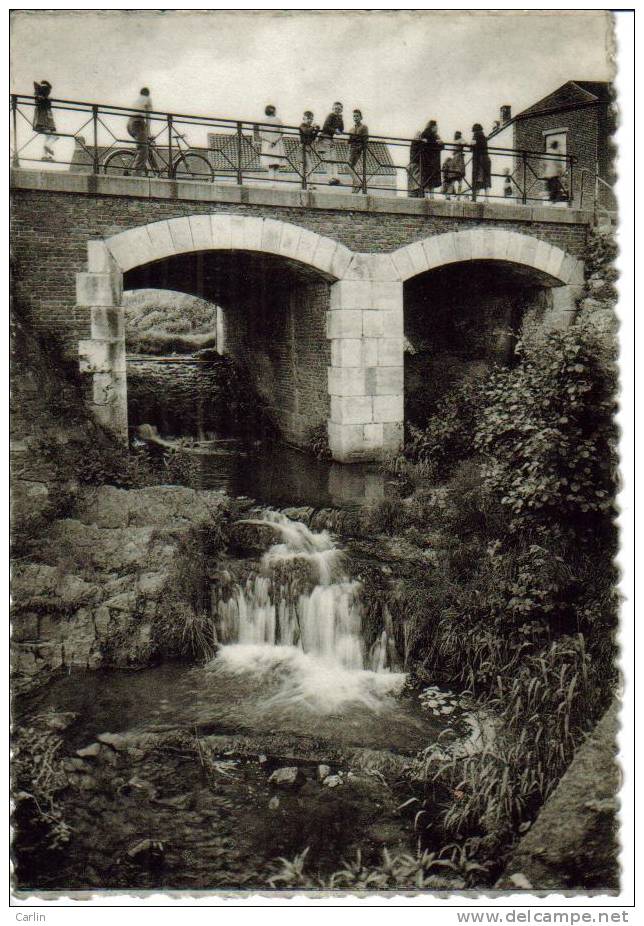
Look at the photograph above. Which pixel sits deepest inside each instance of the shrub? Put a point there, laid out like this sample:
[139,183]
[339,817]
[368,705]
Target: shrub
[446,439]
[548,438]
[317,442]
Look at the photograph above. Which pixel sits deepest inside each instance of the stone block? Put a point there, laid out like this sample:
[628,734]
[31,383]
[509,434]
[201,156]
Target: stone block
[402,263]
[198,190]
[351,294]
[289,240]
[201,231]
[373,324]
[347,381]
[107,322]
[417,257]
[388,408]
[392,324]
[253,230]
[390,352]
[271,234]
[384,380]
[555,263]
[541,255]
[393,433]
[528,250]
[345,441]
[102,356]
[110,185]
[370,351]
[443,252]
[163,188]
[572,270]
[160,239]
[341,261]
[372,436]
[386,296]
[306,247]
[344,324]
[99,259]
[463,245]
[181,235]
[360,267]
[99,289]
[482,243]
[351,409]
[324,254]
[134,247]
[237,223]
[220,232]
[346,352]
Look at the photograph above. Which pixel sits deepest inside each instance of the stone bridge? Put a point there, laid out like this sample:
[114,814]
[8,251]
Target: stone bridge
[317,289]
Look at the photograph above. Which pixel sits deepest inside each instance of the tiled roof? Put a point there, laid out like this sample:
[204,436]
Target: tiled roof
[574,92]
[222,154]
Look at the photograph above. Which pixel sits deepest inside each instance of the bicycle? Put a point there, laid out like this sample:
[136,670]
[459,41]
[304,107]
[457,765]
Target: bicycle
[185,165]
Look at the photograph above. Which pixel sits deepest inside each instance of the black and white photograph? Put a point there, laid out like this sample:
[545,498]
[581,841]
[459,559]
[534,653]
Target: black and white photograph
[315,455]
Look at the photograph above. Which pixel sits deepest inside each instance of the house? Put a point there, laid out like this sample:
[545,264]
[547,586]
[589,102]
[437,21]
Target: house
[580,115]
[221,152]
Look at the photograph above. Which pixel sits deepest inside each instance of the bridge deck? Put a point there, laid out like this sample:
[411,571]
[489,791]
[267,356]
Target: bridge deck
[187,190]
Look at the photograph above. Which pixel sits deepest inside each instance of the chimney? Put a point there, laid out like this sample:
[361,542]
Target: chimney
[506,114]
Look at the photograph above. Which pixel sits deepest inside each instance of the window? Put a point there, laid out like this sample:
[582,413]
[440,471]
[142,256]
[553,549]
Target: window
[558,135]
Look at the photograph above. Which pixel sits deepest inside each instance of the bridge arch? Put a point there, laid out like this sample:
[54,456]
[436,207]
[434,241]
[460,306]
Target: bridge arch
[364,312]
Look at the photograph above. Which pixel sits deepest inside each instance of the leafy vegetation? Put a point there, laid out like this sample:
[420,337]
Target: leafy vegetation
[166,322]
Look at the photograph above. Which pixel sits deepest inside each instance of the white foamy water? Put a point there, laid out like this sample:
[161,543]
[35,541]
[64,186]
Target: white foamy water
[299,619]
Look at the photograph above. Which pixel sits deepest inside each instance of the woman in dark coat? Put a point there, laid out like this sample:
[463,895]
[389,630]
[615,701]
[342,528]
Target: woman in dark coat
[43,118]
[413,171]
[430,158]
[481,164]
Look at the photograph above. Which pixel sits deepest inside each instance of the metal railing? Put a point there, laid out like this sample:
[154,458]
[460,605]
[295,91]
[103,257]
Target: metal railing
[231,150]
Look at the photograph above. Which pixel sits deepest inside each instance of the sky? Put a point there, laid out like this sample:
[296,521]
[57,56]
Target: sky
[400,68]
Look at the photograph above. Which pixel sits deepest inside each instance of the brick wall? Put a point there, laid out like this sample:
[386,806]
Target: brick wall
[50,232]
[587,141]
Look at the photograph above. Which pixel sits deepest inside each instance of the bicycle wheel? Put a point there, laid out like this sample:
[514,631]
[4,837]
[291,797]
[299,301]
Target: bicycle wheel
[120,163]
[192,167]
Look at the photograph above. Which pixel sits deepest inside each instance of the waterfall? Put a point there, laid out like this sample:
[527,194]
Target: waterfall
[300,614]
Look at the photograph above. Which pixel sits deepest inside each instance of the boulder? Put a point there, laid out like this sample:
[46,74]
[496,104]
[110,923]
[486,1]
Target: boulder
[287,778]
[572,845]
[323,772]
[253,538]
[105,506]
[116,740]
[332,781]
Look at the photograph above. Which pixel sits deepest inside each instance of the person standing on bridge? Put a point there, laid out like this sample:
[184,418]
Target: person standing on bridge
[273,153]
[430,158]
[333,125]
[43,119]
[138,127]
[358,145]
[481,164]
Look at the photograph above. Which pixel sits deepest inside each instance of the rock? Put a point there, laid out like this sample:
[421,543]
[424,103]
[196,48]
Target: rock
[287,778]
[126,601]
[72,590]
[89,752]
[116,740]
[572,844]
[32,580]
[152,584]
[72,764]
[323,772]
[274,803]
[60,721]
[106,507]
[253,538]
[332,781]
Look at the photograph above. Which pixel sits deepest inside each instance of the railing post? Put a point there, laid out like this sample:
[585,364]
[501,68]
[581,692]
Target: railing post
[304,165]
[364,168]
[95,158]
[15,161]
[240,178]
[170,170]
[524,192]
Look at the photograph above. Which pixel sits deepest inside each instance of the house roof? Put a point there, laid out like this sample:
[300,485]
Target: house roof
[571,95]
[222,154]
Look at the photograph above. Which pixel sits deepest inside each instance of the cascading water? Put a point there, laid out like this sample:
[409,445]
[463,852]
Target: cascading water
[299,617]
